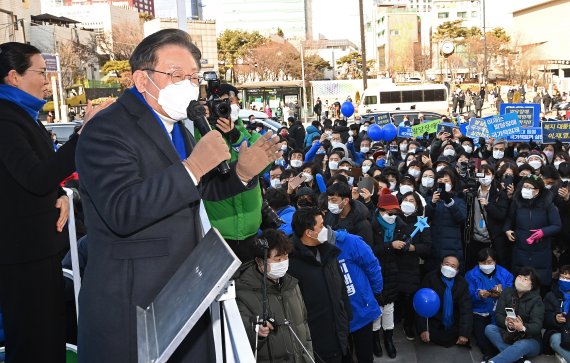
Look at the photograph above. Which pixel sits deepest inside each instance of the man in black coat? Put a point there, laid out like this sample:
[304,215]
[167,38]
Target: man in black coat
[142,178]
[314,263]
[454,328]
[296,136]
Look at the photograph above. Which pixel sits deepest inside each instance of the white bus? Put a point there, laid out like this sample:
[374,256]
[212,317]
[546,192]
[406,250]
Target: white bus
[421,97]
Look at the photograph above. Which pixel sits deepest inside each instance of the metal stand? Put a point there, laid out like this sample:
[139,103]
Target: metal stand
[230,338]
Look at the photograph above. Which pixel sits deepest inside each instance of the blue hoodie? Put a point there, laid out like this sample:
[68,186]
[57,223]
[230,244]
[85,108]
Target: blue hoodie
[311,132]
[477,280]
[362,275]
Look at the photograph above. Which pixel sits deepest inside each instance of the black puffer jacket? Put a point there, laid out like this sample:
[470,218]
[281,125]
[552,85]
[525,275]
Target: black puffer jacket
[356,222]
[285,303]
[462,312]
[524,216]
[324,291]
[529,307]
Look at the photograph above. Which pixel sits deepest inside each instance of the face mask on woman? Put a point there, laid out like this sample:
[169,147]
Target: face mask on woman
[278,269]
[468,149]
[526,193]
[557,163]
[486,181]
[522,285]
[364,149]
[406,189]
[390,219]
[414,172]
[308,177]
[448,152]
[427,182]
[408,208]
[487,269]
[365,169]
[536,164]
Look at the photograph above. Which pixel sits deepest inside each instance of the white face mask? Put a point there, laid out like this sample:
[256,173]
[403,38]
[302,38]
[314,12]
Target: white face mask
[364,149]
[448,271]
[522,286]
[296,163]
[448,152]
[328,132]
[414,172]
[392,186]
[323,235]
[175,98]
[408,208]
[405,189]
[412,151]
[536,164]
[427,182]
[364,128]
[498,154]
[519,164]
[439,168]
[447,187]
[549,186]
[333,165]
[235,112]
[334,208]
[486,181]
[468,149]
[365,169]
[308,177]
[284,147]
[350,180]
[351,133]
[277,270]
[549,154]
[526,193]
[275,183]
[388,219]
[403,147]
[487,269]
[557,164]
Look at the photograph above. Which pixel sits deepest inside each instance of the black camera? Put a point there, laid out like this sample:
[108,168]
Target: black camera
[219,108]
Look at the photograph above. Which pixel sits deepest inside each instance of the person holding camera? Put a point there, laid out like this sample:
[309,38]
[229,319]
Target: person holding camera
[486,282]
[557,306]
[285,306]
[519,315]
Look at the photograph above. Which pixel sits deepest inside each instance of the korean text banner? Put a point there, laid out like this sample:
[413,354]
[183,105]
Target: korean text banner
[529,114]
[501,126]
[555,130]
[429,127]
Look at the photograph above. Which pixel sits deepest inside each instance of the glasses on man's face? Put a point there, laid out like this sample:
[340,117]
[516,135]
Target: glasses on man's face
[42,72]
[179,76]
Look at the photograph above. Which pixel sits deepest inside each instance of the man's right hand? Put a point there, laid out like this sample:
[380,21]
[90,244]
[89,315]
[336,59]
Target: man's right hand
[510,235]
[265,330]
[208,153]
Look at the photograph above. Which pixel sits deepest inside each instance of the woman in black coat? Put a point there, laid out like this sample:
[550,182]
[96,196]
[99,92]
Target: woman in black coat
[533,220]
[35,213]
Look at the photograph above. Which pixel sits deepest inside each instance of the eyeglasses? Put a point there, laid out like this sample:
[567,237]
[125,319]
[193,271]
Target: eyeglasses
[43,73]
[179,76]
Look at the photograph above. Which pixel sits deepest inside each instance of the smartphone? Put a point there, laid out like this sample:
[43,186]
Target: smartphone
[510,313]
[440,187]
[393,148]
[366,183]
[565,184]
[508,180]
[296,181]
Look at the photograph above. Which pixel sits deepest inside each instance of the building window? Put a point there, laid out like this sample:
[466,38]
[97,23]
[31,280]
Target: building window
[394,32]
[442,15]
[474,14]
[462,14]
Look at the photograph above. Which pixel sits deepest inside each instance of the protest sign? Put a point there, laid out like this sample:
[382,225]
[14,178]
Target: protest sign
[477,128]
[382,119]
[526,134]
[446,127]
[404,131]
[529,114]
[501,126]
[429,127]
[555,130]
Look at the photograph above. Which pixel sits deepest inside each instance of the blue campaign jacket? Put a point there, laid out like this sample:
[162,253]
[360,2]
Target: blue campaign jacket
[286,215]
[477,280]
[362,276]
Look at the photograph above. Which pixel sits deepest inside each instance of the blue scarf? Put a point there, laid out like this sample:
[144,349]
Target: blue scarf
[566,294]
[388,228]
[177,136]
[29,103]
[447,302]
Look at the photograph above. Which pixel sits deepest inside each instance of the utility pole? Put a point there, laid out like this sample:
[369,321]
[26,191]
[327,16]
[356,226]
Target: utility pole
[304,110]
[363,46]
[484,44]
[181,13]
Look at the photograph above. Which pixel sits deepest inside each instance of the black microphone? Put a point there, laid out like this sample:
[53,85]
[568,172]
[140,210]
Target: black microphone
[197,113]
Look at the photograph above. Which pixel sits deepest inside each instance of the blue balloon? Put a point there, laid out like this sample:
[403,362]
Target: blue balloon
[347,109]
[375,132]
[390,132]
[426,303]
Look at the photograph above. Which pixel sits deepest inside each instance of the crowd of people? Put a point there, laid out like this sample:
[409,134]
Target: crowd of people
[323,215]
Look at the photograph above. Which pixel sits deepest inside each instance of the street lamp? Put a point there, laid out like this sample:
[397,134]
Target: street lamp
[482,2]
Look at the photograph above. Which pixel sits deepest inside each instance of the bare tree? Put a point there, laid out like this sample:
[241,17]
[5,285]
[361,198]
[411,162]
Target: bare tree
[121,42]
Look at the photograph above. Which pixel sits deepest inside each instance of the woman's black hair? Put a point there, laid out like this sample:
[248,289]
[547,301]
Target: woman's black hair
[485,253]
[16,56]
[531,272]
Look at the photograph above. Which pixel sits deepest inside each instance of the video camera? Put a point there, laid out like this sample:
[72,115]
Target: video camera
[467,170]
[219,108]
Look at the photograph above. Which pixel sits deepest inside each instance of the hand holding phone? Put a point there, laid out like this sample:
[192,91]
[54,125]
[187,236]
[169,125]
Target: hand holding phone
[296,181]
[511,313]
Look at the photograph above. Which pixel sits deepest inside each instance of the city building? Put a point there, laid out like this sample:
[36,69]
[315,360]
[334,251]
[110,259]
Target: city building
[168,9]
[15,19]
[330,50]
[394,39]
[293,17]
[143,6]
[203,33]
[543,46]
[421,6]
